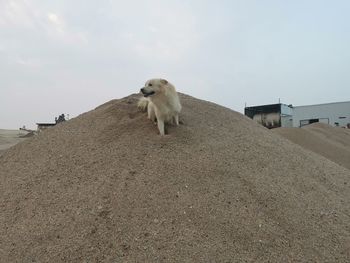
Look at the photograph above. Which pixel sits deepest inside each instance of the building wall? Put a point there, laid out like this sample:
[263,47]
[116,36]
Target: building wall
[286,116]
[287,121]
[331,113]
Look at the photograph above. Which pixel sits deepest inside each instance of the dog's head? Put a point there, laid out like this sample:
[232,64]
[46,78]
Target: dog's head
[153,87]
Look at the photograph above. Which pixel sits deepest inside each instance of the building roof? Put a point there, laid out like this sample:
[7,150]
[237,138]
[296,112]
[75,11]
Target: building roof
[46,124]
[321,104]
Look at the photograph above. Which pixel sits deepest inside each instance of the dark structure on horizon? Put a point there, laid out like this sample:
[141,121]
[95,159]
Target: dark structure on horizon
[43,126]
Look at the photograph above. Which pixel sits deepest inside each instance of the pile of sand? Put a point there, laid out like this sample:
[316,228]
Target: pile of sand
[9,138]
[330,142]
[104,187]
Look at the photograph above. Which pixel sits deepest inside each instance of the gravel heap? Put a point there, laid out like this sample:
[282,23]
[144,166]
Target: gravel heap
[9,138]
[104,187]
[323,139]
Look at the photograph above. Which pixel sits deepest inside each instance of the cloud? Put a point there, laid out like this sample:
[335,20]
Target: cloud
[56,21]
[20,16]
[156,30]
[58,29]
[16,13]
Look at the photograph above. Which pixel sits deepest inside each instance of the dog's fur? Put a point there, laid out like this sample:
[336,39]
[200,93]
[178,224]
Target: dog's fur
[161,102]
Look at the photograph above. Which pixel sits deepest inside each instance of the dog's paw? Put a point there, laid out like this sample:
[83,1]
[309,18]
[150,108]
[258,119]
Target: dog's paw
[142,104]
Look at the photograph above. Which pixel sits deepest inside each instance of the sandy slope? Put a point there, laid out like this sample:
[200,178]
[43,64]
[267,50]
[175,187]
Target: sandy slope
[104,187]
[330,142]
[9,138]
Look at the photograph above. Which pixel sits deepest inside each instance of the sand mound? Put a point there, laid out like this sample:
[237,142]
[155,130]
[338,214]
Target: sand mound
[330,142]
[104,187]
[9,138]
[28,135]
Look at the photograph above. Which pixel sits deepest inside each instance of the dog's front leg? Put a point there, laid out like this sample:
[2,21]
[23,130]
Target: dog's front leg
[160,124]
[151,113]
[176,117]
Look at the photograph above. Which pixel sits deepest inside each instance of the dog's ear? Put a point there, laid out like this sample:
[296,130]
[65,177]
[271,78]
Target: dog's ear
[163,81]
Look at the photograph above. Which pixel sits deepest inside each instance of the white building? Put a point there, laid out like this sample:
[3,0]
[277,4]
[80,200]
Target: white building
[282,115]
[272,115]
[335,114]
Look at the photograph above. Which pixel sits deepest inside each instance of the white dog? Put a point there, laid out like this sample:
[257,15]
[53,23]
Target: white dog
[161,101]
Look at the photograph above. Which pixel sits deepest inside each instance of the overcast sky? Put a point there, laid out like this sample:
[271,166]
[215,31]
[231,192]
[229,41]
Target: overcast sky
[64,56]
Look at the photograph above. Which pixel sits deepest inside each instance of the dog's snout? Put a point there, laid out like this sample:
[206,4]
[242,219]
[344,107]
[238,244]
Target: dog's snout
[142,89]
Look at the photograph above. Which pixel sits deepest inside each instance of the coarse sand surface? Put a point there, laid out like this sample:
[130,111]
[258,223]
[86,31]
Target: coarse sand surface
[323,139]
[105,187]
[9,138]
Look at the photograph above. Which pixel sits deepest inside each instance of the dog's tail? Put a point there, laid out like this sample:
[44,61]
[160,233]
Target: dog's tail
[142,104]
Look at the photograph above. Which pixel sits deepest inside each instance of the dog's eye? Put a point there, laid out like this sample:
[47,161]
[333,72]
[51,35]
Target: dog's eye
[150,84]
